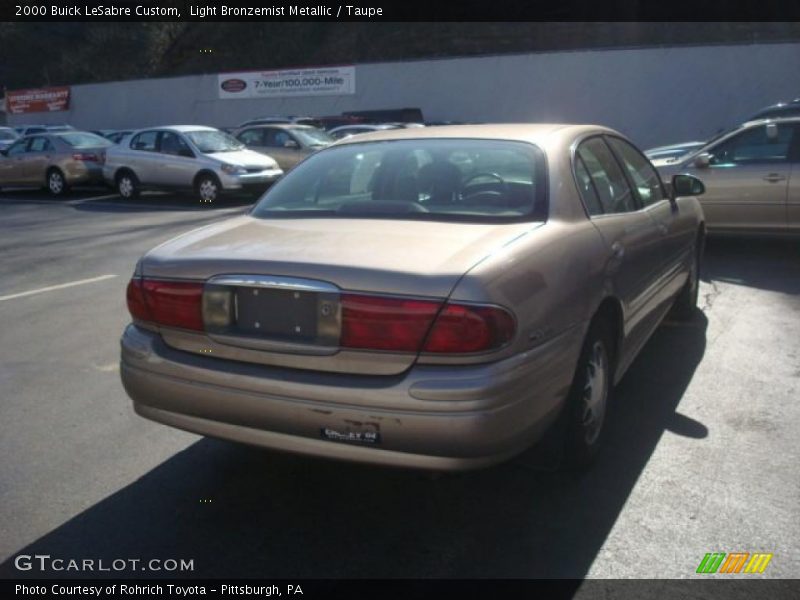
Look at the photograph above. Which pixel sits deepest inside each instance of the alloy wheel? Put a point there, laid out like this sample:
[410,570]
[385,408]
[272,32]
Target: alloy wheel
[595,392]
[208,190]
[56,183]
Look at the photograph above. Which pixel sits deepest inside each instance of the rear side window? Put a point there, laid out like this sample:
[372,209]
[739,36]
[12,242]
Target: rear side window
[40,144]
[145,141]
[646,181]
[586,189]
[612,189]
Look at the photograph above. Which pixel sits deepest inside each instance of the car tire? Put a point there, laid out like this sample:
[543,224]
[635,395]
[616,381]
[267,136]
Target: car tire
[685,306]
[128,185]
[56,183]
[588,399]
[207,188]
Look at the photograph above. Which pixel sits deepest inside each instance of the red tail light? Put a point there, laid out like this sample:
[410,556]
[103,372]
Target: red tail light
[88,156]
[136,303]
[380,323]
[170,303]
[462,328]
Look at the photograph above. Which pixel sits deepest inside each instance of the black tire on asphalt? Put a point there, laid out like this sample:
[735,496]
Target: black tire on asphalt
[685,306]
[128,185]
[207,188]
[588,399]
[56,183]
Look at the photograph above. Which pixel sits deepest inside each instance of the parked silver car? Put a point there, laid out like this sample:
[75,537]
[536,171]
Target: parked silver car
[204,159]
[751,178]
[434,298]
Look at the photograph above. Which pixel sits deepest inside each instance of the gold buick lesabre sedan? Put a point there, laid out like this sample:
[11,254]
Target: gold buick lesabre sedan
[431,298]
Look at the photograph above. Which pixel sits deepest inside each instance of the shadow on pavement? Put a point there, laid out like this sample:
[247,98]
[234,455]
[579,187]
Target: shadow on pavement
[240,511]
[768,264]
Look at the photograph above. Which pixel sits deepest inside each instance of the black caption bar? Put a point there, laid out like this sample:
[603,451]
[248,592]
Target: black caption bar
[400,10]
[389,589]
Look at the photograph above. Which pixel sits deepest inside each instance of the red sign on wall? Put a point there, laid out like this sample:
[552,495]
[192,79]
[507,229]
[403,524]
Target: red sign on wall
[37,100]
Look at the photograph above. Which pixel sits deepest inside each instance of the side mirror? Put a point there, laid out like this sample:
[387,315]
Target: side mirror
[290,144]
[4,152]
[687,185]
[702,161]
[186,153]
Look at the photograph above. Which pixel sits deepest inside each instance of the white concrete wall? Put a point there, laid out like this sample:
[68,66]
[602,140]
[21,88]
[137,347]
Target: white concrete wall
[655,95]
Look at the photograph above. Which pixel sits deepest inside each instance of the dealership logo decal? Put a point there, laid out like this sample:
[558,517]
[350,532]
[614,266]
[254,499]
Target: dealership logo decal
[233,85]
[735,562]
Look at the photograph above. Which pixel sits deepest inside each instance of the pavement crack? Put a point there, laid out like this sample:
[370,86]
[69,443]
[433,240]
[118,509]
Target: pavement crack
[710,297]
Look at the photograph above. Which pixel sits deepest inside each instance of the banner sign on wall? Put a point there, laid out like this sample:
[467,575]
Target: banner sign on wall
[37,100]
[322,81]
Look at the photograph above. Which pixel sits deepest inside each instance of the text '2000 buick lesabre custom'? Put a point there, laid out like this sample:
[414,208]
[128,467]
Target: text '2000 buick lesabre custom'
[432,298]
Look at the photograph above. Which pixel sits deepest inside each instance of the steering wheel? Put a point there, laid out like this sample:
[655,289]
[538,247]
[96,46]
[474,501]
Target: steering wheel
[491,189]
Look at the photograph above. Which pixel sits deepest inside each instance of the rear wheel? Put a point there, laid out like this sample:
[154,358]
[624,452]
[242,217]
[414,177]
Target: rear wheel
[588,398]
[685,305]
[56,183]
[207,188]
[127,185]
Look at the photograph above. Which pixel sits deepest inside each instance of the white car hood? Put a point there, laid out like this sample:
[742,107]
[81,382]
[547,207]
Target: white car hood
[245,158]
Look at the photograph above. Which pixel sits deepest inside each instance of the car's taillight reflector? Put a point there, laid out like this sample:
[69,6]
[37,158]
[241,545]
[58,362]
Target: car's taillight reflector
[461,328]
[135,297]
[169,303]
[406,325]
[380,323]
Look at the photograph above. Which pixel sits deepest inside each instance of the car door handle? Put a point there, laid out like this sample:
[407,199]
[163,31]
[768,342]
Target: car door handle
[774,178]
[617,250]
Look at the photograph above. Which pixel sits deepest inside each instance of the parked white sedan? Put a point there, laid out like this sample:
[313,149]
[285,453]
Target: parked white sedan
[204,159]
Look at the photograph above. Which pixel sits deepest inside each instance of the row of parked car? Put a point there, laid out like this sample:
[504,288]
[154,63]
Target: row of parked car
[204,159]
[746,169]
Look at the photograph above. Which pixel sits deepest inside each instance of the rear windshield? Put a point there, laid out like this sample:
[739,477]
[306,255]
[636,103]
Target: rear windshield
[433,179]
[84,140]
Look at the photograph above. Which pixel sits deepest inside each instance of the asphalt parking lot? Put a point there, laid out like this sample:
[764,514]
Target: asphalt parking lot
[701,453]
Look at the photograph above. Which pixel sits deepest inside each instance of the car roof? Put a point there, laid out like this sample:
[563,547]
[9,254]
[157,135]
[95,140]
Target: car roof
[179,128]
[278,125]
[534,133]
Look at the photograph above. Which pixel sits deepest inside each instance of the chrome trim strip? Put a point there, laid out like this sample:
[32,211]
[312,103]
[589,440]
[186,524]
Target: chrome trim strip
[269,281]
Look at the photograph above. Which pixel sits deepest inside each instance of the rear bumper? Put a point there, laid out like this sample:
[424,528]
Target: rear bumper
[431,417]
[77,173]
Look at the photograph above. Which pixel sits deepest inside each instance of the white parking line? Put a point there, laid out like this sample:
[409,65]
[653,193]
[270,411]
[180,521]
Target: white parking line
[91,199]
[60,286]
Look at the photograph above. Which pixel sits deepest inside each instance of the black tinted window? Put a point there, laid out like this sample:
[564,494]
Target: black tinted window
[612,189]
[172,143]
